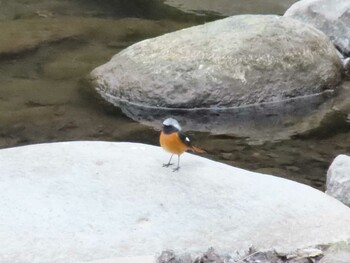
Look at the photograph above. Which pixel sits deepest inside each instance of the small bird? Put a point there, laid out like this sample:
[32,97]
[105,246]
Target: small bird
[174,141]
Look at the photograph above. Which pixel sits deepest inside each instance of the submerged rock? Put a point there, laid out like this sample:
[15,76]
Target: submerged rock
[338,179]
[331,17]
[28,34]
[229,7]
[246,72]
[85,201]
[19,9]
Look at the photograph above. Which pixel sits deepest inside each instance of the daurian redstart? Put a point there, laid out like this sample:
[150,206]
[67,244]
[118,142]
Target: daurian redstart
[174,141]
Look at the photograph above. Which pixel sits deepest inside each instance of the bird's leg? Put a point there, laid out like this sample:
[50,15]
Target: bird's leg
[178,164]
[168,164]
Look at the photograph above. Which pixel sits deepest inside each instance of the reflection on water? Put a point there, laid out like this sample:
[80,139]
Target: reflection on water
[257,122]
[42,97]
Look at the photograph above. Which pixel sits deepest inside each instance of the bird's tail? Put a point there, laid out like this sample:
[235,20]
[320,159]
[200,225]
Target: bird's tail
[196,149]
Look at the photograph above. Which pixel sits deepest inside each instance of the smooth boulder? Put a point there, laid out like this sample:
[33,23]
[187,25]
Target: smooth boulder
[237,61]
[331,17]
[95,201]
[251,68]
[338,179]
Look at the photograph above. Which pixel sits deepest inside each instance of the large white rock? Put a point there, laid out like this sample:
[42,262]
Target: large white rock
[338,179]
[99,201]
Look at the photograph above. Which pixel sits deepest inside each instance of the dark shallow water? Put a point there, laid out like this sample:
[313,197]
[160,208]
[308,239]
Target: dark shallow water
[43,97]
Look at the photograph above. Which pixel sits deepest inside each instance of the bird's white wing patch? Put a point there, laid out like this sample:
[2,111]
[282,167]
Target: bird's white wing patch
[187,139]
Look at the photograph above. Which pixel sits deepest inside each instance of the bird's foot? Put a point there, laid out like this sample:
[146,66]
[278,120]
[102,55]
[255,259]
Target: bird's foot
[167,164]
[176,169]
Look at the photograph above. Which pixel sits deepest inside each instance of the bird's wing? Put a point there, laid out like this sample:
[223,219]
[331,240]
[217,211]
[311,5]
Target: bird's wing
[185,139]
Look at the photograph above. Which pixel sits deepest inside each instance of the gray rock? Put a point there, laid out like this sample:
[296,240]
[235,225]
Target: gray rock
[237,61]
[243,68]
[331,17]
[338,179]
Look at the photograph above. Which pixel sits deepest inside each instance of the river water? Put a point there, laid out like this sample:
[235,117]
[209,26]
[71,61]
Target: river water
[47,49]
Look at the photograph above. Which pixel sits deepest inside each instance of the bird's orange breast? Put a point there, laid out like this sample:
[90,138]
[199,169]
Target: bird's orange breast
[172,143]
